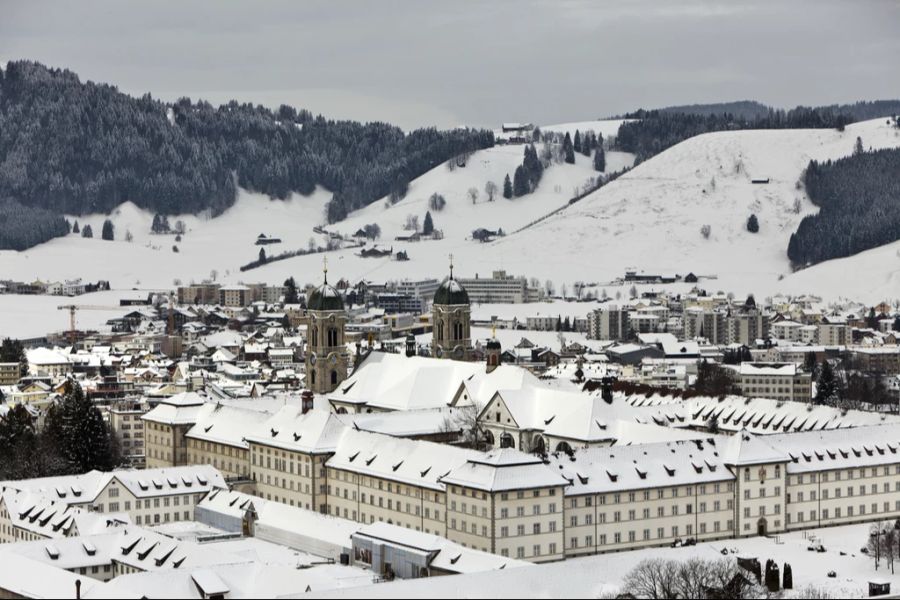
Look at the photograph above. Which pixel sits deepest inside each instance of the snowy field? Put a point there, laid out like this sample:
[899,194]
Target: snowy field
[36,316]
[593,576]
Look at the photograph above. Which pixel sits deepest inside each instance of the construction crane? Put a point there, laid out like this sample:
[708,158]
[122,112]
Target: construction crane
[73,308]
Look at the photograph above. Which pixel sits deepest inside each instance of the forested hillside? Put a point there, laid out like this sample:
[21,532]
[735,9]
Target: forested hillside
[79,147]
[859,200]
[656,130]
[22,227]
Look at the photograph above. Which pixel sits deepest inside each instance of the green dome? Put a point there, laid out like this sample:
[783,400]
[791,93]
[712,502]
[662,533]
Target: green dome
[451,292]
[325,297]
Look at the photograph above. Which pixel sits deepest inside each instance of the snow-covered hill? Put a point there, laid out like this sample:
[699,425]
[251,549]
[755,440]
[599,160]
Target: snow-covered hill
[648,219]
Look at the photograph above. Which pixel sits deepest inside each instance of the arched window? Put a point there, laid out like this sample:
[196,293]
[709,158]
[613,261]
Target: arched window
[315,336]
[312,377]
[507,441]
[457,331]
[439,330]
[332,336]
[564,447]
[334,378]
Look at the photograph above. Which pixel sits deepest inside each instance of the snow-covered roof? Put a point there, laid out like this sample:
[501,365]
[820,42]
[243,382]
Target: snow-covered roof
[316,432]
[443,554]
[228,425]
[644,466]
[504,470]
[395,382]
[412,462]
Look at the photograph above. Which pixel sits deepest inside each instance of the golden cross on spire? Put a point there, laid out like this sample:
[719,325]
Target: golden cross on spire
[325,267]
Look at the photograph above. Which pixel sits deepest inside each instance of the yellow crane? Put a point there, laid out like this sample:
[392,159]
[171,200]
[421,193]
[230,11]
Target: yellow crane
[73,308]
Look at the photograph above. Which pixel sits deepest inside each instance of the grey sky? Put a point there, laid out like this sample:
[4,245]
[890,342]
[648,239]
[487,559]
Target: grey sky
[465,62]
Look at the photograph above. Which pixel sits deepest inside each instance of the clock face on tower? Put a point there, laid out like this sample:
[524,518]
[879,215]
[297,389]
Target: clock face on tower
[332,359]
[458,352]
[312,358]
[439,352]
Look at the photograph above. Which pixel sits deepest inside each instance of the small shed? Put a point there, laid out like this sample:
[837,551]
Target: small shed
[879,587]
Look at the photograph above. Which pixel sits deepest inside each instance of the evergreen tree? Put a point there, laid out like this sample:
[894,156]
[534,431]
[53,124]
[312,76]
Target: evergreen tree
[872,319]
[568,151]
[507,188]
[108,232]
[576,144]
[752,224]
[290,291]
[826,385]
[520,182]
[262,256]
[87,232]
[80,432]
[858,147]
[17,442]
[896,326]
[810,363]
[787,577]
[428,224]
[599,160]
[75,228]
[12,351]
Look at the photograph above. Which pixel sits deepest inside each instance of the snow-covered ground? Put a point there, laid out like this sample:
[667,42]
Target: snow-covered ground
[602,575]
[36,316]
[649,219]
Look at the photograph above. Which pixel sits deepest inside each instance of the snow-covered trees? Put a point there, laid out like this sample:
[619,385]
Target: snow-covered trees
[372,231]
[507,187]
[428,224]
[108,232]
[705,230]
[87,232]
[22,227]
[195,165]
[753,224]
[857,197]
[568,150]
[520,182]
[437,202]
[599,159]
[490,190]
[12,351]
[80,433]
[290,291]
[472,193]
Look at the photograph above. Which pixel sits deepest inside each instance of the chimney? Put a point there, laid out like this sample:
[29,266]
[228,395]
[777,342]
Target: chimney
[306,401]
[78,589]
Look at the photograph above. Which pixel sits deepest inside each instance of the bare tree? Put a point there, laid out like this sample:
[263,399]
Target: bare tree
[652,578]
[412,223]
[463,420]
[490,188]
[705,231]
[473,194]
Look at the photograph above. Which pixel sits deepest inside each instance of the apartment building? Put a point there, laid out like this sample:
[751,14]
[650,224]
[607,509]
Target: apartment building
[125,422]
[10,373]
[778,381]
[879,359]
[609,322]
[833,331]
[500,288]
[704,323]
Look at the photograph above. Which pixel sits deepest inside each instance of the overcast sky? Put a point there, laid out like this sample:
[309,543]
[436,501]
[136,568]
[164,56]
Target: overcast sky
[457,62]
